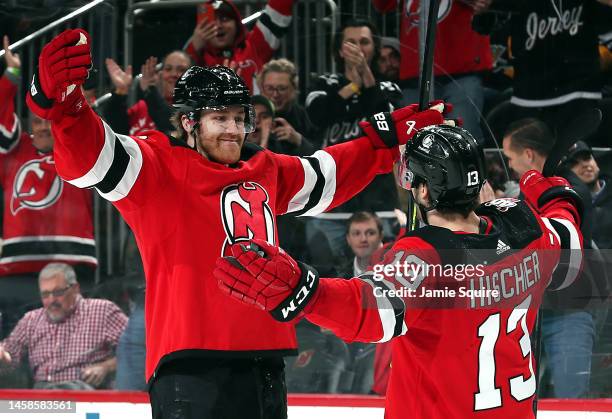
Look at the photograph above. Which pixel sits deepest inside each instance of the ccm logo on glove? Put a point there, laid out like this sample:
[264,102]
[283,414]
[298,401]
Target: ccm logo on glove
[288,309]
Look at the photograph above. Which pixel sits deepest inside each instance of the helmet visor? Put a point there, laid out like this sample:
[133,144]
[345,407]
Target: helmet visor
[235,119]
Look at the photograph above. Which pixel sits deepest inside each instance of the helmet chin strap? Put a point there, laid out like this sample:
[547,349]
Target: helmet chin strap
[194,132]
[195,118]
[424,210]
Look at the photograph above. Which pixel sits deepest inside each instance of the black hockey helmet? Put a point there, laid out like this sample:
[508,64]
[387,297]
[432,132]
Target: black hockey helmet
[212,88]
[449,160]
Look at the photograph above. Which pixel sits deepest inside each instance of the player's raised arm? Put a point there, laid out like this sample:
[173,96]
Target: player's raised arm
[332,176]
[55,94]
[561,210]
[268,278]
[88,153]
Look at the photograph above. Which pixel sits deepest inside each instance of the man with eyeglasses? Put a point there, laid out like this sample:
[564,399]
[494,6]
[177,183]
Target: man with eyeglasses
[279,82]
[70,342]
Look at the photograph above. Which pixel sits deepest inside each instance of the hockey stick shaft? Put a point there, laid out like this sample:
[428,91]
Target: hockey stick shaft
[425,83]
[426,77]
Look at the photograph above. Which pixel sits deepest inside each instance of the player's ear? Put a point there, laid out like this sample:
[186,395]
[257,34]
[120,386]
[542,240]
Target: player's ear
[424,193]
[187,124]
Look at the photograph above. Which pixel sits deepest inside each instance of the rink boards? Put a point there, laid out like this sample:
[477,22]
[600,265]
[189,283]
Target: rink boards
[112,405]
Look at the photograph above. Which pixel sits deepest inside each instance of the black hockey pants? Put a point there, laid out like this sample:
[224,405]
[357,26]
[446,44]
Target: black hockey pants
[220,389]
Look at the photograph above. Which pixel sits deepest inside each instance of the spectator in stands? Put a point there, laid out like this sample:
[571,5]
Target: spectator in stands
[497,178]
[389,60]
[131,350]
[226,41]
[153,107]
[555,51]
[364,235]
[568,335]
[279,82]
[581,162]
[44,218]
[337,104]
[461,56]
[70,341]
[275,133]
[264,118]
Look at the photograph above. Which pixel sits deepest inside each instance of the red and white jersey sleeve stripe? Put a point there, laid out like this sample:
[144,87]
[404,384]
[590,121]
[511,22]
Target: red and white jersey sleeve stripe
[317,183]
[89,153]
[270,28]
[116,169]
[354,312]
[569,239]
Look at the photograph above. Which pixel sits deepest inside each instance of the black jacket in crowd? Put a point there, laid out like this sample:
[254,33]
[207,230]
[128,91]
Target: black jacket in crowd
[338,119]
[115,111]
[602,216]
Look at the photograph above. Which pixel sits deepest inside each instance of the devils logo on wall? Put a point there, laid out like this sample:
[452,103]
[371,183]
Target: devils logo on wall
[36,186]
[246,214]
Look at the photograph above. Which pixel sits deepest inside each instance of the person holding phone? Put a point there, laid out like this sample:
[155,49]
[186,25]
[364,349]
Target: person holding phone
[219,37]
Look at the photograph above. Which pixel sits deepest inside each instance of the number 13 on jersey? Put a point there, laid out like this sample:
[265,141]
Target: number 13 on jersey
[489,396]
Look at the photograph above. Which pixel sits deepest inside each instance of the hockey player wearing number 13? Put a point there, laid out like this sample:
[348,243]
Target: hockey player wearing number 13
[187,201]
[454,357]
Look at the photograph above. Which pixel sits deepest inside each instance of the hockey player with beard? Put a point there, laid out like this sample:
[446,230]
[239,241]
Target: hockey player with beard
[453,356]
[187,201]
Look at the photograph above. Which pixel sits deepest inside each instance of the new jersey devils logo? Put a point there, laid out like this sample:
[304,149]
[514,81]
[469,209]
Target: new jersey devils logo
[246,214]
[413,11]
[36,186]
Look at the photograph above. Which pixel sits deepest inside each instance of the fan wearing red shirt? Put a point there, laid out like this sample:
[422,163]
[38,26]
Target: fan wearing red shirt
[461,55]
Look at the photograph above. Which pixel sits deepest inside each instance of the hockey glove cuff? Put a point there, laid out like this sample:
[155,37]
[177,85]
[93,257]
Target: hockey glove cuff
[390,129]
[543,193]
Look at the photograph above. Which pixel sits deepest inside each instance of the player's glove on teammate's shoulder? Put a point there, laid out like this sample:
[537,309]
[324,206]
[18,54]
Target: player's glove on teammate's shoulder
[63,66]
[390,129]
[266,277]
[543,192]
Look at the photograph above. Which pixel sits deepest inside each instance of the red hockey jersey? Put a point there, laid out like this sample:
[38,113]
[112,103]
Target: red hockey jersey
[185,210]
[459,354]
[44,219]
[459,49]
[251,50]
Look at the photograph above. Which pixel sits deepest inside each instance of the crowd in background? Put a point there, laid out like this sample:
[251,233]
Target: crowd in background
[518,73]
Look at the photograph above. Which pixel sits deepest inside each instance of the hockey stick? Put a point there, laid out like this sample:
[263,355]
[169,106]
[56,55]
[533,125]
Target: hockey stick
[581,127]
[425,81]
